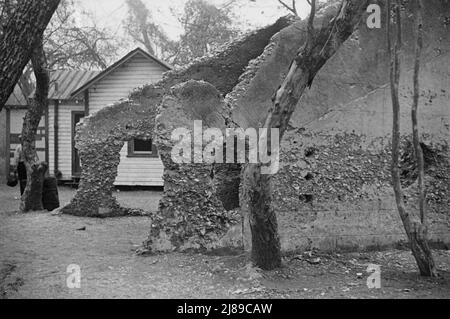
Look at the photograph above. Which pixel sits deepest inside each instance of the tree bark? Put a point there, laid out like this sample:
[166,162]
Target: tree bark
[26,24]
[415,230]
[320,46]
[146,40]
[414,112]
[32,197]
[266,247]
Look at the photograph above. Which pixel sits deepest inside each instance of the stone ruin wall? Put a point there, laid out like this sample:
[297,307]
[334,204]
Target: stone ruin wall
[340,192]
[333,190]
[99,141]
[190,214]
[102,135]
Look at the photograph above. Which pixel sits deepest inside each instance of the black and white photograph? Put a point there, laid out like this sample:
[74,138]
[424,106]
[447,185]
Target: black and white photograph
[232,157]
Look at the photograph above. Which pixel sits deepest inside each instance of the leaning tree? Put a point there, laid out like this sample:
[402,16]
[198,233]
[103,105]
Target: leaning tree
[320,46]
[18,35]
[32,196]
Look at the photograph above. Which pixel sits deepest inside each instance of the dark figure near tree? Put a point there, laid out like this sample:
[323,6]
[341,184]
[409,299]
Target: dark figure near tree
[19,166]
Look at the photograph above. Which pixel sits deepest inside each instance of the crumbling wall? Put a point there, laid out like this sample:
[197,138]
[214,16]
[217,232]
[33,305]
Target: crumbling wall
[334,187]
[227,180]
[190,215]
[251,98]
[101,136]
[333,190]
[223,67]
[99,141]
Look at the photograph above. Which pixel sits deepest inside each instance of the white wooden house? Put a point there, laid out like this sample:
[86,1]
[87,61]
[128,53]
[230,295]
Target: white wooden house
[75,94]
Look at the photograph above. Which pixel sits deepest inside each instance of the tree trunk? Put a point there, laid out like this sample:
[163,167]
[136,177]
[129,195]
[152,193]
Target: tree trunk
[319,47]
[26,24]
[418,151]
[146,40]
[416,231]
[32,197]
[266,248]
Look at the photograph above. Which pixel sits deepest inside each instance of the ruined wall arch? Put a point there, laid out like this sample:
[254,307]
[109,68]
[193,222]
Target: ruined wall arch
[100,138]
[190,214]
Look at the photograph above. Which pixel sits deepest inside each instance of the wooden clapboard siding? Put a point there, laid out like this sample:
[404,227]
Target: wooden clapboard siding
[117,85]
[51,138]
[64,137]
[142,171]
[16,117]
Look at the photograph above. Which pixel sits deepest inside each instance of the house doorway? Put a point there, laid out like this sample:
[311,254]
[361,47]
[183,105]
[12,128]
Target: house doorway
[77,116]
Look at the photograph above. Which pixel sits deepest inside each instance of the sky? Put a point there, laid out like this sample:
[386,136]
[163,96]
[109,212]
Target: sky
[250,14]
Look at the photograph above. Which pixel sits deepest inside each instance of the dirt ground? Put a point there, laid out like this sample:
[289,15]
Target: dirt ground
[37,248]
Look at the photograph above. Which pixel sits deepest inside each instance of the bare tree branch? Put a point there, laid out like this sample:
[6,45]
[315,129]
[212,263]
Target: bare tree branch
[292,9]
[312,15]
[416,139]
[69,45]
[416,231]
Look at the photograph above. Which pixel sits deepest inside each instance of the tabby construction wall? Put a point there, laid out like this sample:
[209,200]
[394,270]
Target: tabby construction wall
[334,190]
[102,135]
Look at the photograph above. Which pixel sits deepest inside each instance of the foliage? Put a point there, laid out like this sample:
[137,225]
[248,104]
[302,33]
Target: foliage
[69,45]
[206,27]
[142,29]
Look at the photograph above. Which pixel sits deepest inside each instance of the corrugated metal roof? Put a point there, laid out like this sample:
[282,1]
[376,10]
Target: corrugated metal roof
[64,82]
[17,98]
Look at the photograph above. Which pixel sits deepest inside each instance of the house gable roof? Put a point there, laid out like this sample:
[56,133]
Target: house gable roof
[119,63]
[17,97]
